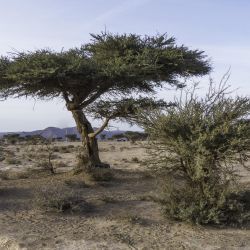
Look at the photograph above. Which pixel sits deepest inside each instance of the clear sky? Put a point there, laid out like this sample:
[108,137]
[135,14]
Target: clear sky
[219,27]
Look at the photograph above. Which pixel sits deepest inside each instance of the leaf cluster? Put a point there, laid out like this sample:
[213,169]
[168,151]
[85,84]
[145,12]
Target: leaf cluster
[110,64]
[125,109]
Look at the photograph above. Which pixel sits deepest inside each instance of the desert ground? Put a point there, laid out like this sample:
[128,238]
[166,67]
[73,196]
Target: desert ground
[118,211]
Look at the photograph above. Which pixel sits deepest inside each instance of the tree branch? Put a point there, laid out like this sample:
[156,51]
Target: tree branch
[99,130]
[92,98]
[66,97]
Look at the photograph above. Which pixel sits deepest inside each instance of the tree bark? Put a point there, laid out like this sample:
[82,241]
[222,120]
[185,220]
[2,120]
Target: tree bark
[90,145]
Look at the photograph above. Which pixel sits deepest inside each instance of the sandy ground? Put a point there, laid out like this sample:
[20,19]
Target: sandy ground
[116,214]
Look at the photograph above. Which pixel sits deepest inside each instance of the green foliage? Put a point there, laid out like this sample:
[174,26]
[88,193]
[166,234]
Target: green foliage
[12,138]
[72,137]
[35,139]
[124,109]
[217,204]
[110,64]
[145,60]
[2,157]
[135,136]
[118,136]
[103,137]
[200,144]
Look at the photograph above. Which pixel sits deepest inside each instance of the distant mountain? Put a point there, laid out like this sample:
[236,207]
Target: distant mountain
[54,132]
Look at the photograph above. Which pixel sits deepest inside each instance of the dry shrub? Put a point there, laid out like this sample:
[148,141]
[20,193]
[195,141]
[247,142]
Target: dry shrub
[135,160]
[65,149]
[108,199]
[60,164]
[103,150]
[12,161]
[58,199]
[123,148]
[125,160]
[199,144]
[10,175]
[8,153]
[47,165]
[2,158]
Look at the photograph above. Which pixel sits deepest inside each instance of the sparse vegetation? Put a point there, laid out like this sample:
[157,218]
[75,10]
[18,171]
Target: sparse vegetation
[108,199]
[134,136]
[72,137]
[60,200]
[12,175]
[12,161]
[60,164]
[78,205]
[135,159]
[132,219]
[12,138]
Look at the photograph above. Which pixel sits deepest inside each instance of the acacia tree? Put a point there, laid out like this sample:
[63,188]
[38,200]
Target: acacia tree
[105,73]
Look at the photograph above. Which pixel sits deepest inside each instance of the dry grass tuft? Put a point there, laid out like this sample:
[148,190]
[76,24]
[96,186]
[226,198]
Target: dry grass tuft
[58,199]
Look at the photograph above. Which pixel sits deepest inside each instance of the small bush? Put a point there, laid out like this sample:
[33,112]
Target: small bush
[108,199]
[7,175]
[65,149]
[9,153]
[218,205]
[12,161]
[132,219]
[103,150]
[4,175]
[60,200]
[47,165]
[199,144]
[30,156]
[135,159]
[60,164]
[122,149]
[56,149]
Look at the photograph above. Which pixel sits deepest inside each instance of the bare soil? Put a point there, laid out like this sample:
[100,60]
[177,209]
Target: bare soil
[114,214]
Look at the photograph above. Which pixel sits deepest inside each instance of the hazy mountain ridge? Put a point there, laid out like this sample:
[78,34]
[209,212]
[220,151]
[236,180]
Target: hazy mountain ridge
[54,132]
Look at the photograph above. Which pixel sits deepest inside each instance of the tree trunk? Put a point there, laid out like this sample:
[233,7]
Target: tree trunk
[90,155]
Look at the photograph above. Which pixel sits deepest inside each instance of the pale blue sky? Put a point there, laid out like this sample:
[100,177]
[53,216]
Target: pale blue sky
[220,27]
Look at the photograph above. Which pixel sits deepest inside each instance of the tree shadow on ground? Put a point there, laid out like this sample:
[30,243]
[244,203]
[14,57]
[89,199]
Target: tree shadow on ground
[13,198]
